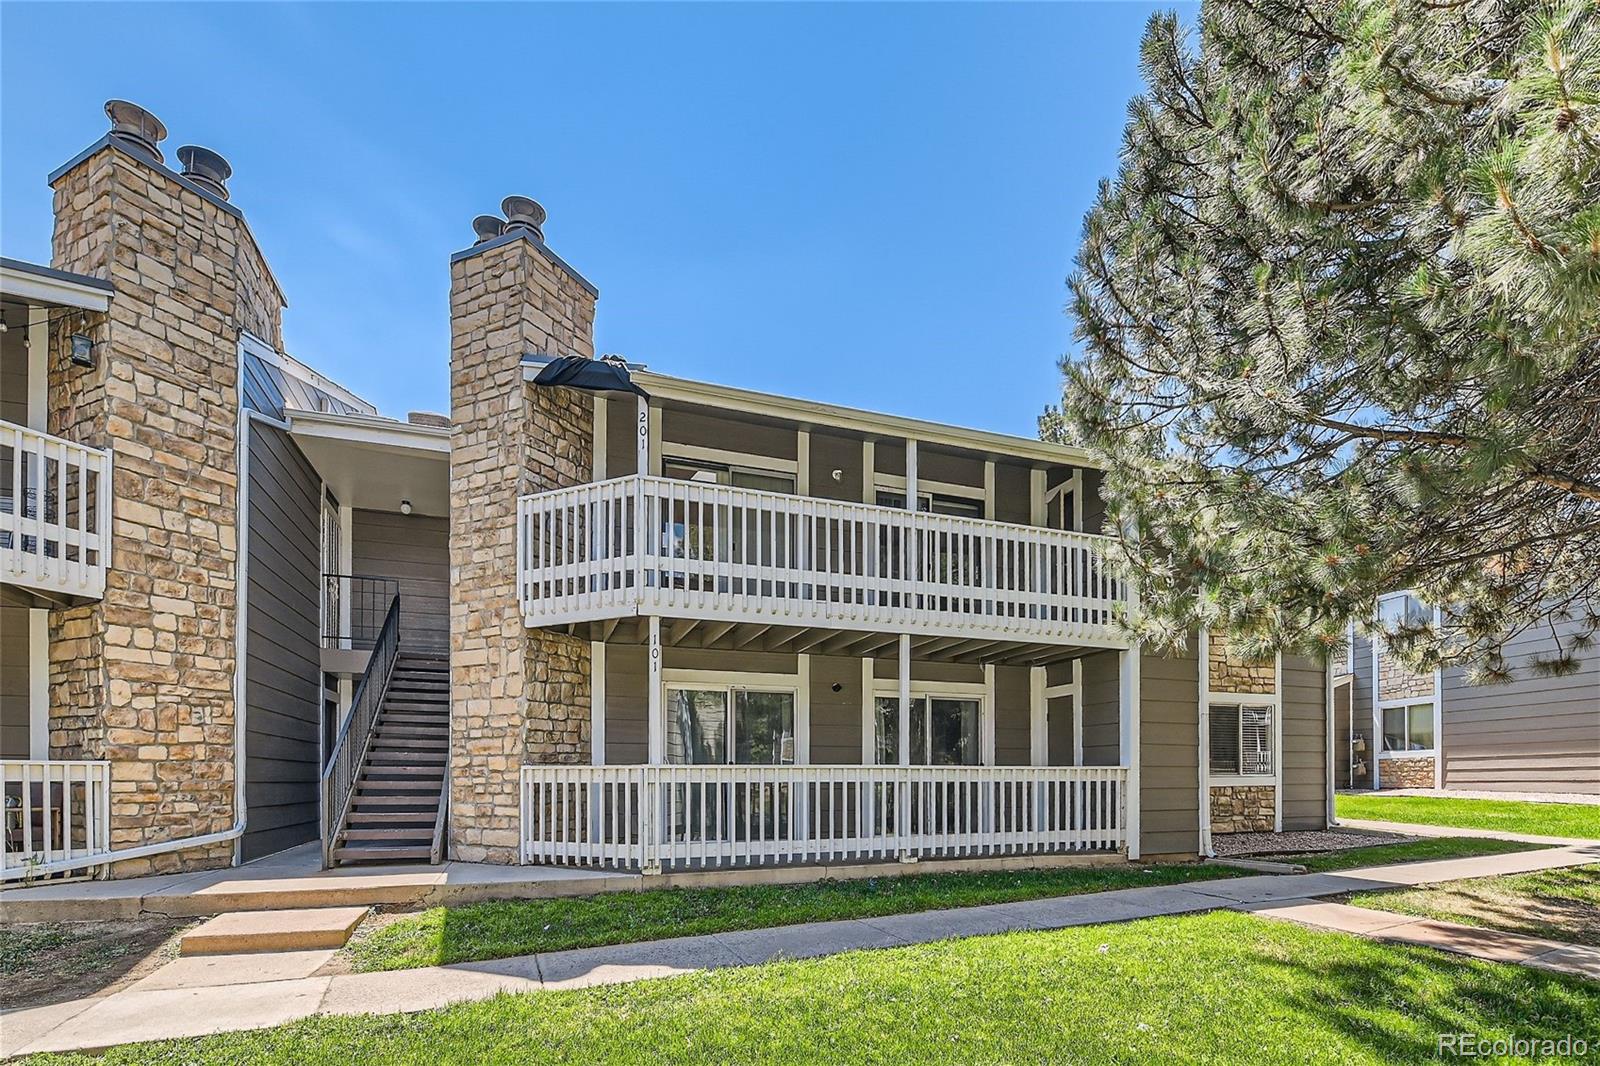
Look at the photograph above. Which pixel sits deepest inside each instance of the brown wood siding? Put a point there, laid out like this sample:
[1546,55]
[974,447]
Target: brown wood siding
[14,681]
[415,551]
[1169,753]
[14,371]
[1011,712]
[835,716]
[1530,734]
[1101,704]
[283,678]
[1305,744]
[830,453]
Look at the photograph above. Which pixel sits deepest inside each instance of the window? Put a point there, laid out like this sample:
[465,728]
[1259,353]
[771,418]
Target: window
[1405,610]
[1408,727]
[944,731]
[742,477]
[934,502]
[713,724]
[1241,739]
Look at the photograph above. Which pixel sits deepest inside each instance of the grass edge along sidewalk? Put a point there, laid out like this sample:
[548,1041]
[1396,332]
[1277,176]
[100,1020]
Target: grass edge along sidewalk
[1576,821]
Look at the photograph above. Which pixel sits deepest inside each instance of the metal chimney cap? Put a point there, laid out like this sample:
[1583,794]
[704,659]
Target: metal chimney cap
[524,213]
[132,124]
[488,227]
[205,168]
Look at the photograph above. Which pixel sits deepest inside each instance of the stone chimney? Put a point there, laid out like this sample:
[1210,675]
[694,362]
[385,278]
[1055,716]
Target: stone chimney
[145,677]
[516,694]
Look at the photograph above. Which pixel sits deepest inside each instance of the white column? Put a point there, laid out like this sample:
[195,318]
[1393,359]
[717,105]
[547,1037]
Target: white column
[905,700]
[1036,515]
[598,467]
[802,462]
[1077,500]
[1038,719]
[1077,712]
[658,721]
[38,683]
[641,456]
[869,716]
[1438,714]
[988,489]
[1128,721]
[987,720]
[1277,745]
[802,711]
[39,369]
[597,702]
[869,462]
[911,475]
[1374,748]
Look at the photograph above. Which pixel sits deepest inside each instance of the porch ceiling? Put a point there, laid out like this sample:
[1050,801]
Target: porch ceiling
[814,640]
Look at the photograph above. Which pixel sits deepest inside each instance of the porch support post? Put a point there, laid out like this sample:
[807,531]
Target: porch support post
[1128,739]
[1038,722]
[658,722]
[1077,712]
[641,461]
[904,756]
[986,723]
[597,468]
[597,702]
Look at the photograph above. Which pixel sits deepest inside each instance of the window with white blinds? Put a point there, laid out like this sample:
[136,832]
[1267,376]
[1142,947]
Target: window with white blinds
[1241,739]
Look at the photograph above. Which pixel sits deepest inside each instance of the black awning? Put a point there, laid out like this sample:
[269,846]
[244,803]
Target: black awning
[590,375]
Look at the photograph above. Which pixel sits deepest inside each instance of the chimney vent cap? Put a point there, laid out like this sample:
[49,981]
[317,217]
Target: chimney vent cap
[133,125]
[488,227]
[428,418]
[205,168]
[523,213]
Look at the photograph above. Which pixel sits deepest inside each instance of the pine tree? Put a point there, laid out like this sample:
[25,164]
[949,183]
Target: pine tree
[1340,312]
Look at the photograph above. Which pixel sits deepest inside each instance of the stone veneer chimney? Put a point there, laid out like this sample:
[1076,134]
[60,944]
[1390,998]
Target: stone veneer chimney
[516,694]
[145,677]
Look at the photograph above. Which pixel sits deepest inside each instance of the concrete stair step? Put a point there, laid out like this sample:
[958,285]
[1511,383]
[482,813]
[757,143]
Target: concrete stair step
[357,853]
[278,930]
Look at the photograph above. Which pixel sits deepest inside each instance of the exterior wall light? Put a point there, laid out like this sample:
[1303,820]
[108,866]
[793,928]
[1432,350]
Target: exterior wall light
[82,349]
[405,506]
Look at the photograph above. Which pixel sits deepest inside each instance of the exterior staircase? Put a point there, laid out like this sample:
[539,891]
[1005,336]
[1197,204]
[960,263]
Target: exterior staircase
[394,811]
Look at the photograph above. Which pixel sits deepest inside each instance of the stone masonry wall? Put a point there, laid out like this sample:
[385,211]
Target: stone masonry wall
[1242,808]
[517,695]
[1396,681]
[1229,674]
[1408,772]
[144,678]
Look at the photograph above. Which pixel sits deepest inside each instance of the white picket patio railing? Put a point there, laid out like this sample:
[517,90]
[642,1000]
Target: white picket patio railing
[57,816]
[732,554]
[55,513]
[696,817]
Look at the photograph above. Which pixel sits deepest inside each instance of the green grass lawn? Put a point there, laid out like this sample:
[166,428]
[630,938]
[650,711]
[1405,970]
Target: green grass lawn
[1555,904]
[503,928]
[1511,816]
[1410,851]
[1220,988]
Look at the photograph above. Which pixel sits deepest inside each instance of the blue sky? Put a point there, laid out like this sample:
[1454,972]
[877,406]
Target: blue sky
[870,205]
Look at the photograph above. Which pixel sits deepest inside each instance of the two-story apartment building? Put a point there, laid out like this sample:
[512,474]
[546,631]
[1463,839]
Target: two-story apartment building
[597,614]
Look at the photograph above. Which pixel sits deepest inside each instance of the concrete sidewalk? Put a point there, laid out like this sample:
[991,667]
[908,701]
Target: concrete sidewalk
[223,993]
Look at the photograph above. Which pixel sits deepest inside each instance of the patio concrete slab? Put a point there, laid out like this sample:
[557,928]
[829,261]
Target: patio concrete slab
[1492,944]
[201,971]
[1292,886]
[130,1017]
[1573,958]
[425,989]
[1361,921]
[622,963]
[19,1028]
[755,946]
[286,930]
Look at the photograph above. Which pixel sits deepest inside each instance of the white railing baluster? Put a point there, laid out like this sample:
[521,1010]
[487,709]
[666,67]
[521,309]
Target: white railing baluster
[48,532]
[57,816]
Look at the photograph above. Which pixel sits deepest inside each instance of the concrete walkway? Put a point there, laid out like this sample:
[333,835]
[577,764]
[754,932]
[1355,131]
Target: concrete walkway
[223,993]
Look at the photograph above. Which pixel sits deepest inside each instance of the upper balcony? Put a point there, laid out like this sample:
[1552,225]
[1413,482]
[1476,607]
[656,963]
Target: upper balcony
[55,515]
[740,557]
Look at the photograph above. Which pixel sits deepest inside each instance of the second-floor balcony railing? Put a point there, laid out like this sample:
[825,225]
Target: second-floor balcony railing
[688,549]
[55,514]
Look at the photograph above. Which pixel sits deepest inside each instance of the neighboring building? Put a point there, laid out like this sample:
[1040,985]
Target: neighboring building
[670,624]
[1438,730]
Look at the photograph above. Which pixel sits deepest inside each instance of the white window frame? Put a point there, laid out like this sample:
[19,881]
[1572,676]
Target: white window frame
[889,688]
[1274,705]
[727,682]
[1384,706]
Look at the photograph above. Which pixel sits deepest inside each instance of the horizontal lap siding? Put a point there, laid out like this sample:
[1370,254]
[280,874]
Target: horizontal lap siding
[1305,744]
[1531,734]
[1011,716]
[1169,745]
[835,716]
[282,661]
[1101,710]
[415,551]
[14,681]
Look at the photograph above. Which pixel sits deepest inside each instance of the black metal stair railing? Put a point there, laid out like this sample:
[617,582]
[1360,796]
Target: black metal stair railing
[350,749]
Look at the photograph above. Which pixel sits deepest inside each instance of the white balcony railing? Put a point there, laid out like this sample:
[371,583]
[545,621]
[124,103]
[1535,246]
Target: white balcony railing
[55,513]
[716,552]
[697,817]
[57,816]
